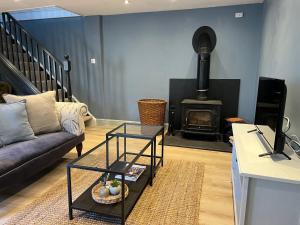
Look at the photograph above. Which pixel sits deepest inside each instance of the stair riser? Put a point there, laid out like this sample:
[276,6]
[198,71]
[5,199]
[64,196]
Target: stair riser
[10,46]
[18,59]
[22,56]
[60,95]
[36,74]
[28,68]
[31,66]
[7,40]
[49,83]
[39,75]
[48,87]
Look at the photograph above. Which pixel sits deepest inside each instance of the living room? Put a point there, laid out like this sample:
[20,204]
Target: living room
[149,112]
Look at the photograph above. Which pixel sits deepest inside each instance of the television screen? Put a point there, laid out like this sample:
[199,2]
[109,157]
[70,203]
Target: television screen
[270,108]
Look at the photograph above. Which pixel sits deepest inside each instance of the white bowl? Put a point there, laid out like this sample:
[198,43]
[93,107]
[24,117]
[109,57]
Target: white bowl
[115,190]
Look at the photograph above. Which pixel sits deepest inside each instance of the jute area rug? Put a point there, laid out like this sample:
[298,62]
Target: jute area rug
[174,199]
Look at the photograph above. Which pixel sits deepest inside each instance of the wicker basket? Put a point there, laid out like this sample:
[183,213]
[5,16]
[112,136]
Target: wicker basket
[111,199]
[152,111]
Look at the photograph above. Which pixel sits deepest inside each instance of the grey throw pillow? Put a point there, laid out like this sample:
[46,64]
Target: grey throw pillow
[14,125]
[41,110]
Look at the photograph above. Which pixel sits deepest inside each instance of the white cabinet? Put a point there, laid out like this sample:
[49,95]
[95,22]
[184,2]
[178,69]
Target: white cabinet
[266,191]
[236,185]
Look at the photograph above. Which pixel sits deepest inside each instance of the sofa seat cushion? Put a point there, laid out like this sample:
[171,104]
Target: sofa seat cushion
[14,155]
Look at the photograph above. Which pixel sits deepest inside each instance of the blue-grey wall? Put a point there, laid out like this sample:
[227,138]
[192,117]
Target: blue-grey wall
[81,38]
[141,52]
[281,49]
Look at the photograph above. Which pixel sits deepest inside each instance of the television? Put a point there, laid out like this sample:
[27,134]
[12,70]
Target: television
[270,108]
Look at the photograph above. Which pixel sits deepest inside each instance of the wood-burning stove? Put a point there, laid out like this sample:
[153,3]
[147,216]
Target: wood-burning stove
[201,117]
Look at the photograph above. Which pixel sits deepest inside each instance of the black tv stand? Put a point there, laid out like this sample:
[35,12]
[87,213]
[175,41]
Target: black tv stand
[255,130]
[274,153]
[268,153]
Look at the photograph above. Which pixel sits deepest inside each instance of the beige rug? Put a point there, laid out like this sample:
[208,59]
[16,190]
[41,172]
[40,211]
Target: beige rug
[173,199]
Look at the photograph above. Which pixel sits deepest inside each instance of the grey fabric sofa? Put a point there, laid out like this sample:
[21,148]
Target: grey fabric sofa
[20,161]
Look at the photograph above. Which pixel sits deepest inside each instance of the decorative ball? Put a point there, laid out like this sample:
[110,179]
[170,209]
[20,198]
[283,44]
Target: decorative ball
[104,192]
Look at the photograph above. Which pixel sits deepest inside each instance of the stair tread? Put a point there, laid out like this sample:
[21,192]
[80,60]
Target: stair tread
[24,59]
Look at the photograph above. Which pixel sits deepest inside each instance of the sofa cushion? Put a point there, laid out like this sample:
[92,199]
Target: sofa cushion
[41,109]
[14,155]
[14,125]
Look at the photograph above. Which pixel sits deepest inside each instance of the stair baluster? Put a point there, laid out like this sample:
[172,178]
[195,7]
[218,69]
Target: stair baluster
[37,64]
[56,80]
[45,70]
[6,37]
[11,41]
[62,83]
[51,73]
[27,54]
[69,92]
[39,70]
[22,56]
[17,46]
[1,40]
[32,62]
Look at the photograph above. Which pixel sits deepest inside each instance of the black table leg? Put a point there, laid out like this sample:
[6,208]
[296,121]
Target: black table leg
[154,156]
[118,149]
[125,130]
[151,167]
[69,193]
[107,153]
[162,146]
[123,200]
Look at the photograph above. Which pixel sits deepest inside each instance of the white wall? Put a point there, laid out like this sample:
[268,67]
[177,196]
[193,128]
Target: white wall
[280,52]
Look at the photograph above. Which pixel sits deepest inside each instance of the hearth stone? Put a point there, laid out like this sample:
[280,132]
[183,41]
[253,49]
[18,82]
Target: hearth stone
[201,117]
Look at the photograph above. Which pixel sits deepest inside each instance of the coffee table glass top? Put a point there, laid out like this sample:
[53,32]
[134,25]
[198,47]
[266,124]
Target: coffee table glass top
[133,130]
[98,158]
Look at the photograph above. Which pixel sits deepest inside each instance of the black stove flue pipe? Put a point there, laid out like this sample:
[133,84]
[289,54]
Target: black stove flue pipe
[204,42]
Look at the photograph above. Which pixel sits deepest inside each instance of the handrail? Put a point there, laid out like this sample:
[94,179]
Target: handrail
[42,65]
[31,36]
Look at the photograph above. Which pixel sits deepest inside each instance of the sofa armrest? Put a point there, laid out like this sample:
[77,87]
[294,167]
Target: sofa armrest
[71,116]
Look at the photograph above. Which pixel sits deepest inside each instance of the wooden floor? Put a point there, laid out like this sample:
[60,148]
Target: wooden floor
[216,201]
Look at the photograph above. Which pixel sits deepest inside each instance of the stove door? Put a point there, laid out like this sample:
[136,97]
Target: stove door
[200,120]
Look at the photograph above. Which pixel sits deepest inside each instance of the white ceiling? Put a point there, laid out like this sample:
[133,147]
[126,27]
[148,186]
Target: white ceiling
[110,7]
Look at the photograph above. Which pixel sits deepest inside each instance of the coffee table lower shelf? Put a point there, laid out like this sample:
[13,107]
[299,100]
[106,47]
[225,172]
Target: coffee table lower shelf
[86,203]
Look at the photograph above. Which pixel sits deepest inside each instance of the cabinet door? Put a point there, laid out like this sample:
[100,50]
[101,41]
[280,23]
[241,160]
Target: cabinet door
[236,185]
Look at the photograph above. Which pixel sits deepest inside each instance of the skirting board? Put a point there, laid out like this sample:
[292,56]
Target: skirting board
[101,121]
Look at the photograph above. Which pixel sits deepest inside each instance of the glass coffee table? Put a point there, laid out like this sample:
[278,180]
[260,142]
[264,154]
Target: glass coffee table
[127,145]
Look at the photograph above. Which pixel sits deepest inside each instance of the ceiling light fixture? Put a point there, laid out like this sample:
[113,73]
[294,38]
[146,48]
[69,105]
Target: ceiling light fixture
[126,2]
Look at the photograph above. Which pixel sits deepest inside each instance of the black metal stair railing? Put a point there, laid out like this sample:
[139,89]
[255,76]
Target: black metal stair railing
[37,64]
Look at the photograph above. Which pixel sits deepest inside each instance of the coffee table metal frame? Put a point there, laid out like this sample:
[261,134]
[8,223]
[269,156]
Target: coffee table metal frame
[115,169]
[152,137]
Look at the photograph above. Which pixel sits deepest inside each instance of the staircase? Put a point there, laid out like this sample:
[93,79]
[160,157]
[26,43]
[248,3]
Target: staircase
[34,61]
